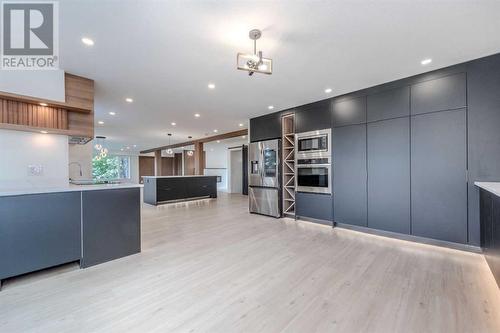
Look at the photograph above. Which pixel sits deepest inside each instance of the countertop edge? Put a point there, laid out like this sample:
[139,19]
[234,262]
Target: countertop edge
[69,188]
[492,187]
[189,176]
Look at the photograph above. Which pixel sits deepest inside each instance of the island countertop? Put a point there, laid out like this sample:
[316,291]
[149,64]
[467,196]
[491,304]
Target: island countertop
[68,188]
[493,187]
[187,176]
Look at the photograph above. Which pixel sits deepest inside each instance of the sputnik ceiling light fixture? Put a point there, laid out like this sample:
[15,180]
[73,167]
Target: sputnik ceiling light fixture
[254,63]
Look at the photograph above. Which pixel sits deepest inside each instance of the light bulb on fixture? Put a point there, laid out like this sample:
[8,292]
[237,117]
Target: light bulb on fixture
[169,151]
[190,153]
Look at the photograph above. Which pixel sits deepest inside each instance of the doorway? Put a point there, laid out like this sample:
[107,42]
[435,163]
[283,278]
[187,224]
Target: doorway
[236,170]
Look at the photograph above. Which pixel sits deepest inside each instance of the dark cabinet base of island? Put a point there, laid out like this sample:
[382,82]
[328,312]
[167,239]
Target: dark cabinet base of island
[160,190]
[38,231]
[490,231]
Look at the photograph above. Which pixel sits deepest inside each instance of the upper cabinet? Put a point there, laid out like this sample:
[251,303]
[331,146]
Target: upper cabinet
[312,117]
[349,111]
[79,93]
[441,94]
[74,117]
[266,127]
[388,104]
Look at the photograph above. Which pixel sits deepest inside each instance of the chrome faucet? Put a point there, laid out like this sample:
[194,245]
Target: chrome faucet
[79,165]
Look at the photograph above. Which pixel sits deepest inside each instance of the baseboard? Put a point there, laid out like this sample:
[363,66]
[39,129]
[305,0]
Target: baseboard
[313,220]
[411,238]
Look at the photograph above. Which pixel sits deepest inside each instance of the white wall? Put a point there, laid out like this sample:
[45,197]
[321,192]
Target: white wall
[18,150]
[235,170]
[81,154]
[42,84]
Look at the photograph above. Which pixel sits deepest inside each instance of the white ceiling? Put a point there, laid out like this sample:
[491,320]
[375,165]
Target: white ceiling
[164,53]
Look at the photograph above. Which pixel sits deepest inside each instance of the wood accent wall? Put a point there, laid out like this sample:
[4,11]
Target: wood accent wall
[146,167]
[75,117]
[32,115]
[189,168]
[167,166]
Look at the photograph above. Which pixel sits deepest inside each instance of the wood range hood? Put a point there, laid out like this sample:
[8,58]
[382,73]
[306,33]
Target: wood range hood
[74,117]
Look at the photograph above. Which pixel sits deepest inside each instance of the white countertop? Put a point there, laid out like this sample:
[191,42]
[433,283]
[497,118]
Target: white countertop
[179,176]
[493,187]
[68,188]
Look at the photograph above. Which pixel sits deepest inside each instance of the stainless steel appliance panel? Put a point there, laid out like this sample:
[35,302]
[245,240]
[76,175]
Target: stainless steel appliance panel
[264,200]
[316,178]
[314,144]
[264,163]
[254,164]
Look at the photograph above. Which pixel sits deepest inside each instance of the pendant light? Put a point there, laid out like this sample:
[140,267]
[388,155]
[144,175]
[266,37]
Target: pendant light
[169,150]
[101,151]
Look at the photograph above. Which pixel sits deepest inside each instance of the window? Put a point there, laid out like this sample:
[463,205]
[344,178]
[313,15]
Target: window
[111,167]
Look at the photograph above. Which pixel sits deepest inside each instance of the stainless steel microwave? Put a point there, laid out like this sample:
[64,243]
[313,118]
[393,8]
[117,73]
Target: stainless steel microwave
[313,144]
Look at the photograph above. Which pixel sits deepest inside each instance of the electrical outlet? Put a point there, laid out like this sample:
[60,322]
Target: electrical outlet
[35,170]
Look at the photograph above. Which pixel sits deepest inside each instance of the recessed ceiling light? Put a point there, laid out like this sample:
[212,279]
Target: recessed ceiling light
[328,90]
[215,131]
[87,41]
[44,132]
[211,86]
[218,141]
[173,124]
[241,125]
[244,136]
[426,61]
[112,113]
[129,100]
[43,104]
[121,149]
[128,147]
[197,115]
[100,122]
[270,107]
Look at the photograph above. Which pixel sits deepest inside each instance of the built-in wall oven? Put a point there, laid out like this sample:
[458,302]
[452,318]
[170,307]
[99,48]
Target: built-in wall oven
[314,175]
[313,169]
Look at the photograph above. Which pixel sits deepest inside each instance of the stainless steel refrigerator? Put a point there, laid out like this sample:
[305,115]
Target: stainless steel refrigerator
[264,177]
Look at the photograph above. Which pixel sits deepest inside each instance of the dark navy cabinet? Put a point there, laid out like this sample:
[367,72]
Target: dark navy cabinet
[349,175]
[349,111]
[312,117]
[111,225]
[445,93]
[438,175]
[388,155]
[490,231]
[266,127]
[314,205]
[483,121]
[388,104]
[38,231]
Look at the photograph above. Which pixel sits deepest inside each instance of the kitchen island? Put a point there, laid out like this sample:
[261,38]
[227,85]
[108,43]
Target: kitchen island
[165,189]
[46,227]
[490,224]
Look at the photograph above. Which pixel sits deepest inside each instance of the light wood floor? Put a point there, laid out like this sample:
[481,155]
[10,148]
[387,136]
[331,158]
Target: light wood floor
[212,267]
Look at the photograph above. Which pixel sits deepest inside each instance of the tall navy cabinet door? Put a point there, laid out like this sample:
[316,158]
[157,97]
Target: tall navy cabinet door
[349,174]
[389,175]
[438,176]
